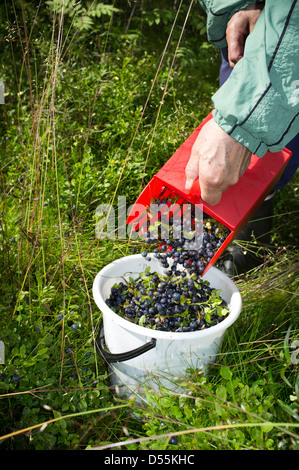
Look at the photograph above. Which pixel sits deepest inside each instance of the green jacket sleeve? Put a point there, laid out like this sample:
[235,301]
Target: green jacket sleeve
[259,103]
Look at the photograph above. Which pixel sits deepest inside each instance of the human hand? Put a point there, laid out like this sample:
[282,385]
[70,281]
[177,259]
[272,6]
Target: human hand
[238,28]
[217,160]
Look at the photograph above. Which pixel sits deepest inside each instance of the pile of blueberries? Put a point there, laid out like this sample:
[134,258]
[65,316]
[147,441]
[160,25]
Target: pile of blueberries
[179,301]
[177,305]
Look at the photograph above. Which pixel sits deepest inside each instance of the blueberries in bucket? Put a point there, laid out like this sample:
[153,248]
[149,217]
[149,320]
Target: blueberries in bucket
[174,304]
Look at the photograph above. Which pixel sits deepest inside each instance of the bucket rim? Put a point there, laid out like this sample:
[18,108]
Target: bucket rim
[235,306]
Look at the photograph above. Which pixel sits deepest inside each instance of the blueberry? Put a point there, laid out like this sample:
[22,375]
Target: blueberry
[74,326]
[173,441]
[60,316]
[144,254]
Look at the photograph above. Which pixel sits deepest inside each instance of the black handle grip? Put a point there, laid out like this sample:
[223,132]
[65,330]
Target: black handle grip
[120,357]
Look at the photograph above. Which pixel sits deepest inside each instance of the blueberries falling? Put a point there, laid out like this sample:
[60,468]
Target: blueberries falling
[187,237]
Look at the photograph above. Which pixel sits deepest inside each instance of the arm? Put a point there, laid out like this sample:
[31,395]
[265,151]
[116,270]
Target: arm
[256,109]
[257,105]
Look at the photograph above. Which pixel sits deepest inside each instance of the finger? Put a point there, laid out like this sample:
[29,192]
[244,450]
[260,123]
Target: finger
[210,195]
[191,170]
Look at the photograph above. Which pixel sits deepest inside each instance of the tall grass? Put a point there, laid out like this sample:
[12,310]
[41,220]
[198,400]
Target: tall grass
[91,114]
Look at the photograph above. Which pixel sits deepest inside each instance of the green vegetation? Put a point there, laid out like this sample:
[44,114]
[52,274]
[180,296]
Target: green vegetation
[97,97]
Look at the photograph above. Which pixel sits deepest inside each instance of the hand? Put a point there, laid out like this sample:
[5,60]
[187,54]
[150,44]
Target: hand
[238,28]
[217,160]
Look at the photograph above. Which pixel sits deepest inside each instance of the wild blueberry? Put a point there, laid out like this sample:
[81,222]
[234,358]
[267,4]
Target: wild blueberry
[173,441]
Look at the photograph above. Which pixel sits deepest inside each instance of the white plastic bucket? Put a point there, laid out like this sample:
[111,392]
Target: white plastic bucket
[140,356]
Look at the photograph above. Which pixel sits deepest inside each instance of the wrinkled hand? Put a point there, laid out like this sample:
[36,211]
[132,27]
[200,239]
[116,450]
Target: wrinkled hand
[217,160]
[238,28]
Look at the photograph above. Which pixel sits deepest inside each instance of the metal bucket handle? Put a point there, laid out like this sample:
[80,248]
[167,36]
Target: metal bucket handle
[120,357]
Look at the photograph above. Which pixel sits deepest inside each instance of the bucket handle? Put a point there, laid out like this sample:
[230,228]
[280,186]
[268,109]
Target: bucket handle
[120,357]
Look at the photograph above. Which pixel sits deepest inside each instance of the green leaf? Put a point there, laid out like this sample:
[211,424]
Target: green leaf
[267,427]
[288,409]
[225,373]
[167,402]
[42,351]
[23,350]
[176,411]
[221,392]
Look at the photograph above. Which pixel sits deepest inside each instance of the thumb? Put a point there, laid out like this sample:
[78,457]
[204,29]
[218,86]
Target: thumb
[236,49]
[210,196]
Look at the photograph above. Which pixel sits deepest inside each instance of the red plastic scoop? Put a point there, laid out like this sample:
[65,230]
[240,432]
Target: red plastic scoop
[238,203]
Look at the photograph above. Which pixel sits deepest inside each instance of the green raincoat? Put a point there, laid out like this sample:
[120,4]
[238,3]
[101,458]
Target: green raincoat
[259,103]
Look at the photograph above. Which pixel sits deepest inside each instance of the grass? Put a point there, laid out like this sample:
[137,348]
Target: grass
[90,115]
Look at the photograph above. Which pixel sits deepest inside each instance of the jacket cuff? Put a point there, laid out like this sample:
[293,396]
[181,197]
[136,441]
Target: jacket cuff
[241,135]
